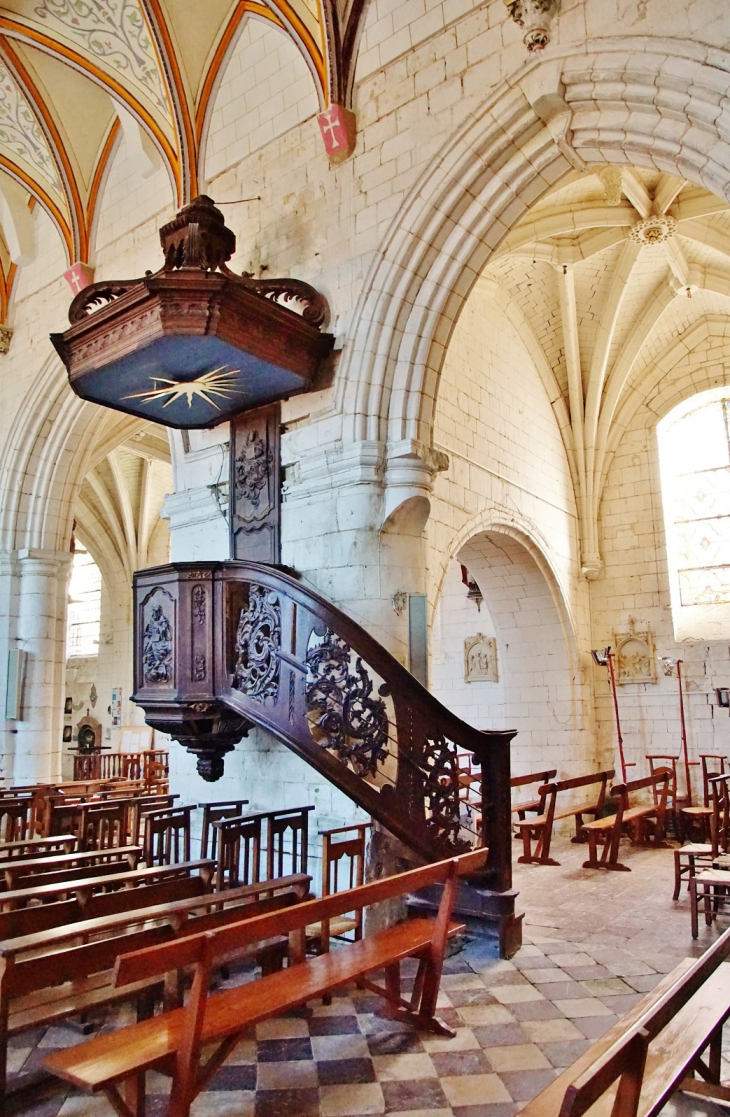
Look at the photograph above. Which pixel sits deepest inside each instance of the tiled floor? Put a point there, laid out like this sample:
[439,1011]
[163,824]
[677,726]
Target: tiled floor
[594,943]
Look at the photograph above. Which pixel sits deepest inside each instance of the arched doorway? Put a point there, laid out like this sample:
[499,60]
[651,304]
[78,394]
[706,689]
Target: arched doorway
[504,662]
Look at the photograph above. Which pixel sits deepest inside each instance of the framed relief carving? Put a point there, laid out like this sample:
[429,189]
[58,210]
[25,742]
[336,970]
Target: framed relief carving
[635,656]
[480,659]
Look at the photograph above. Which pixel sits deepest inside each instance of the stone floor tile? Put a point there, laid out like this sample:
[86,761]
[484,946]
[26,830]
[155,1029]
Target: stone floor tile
[397,1043]
[449,1064]
[545,976]
[403,1068]
[234,1103]
[333,1025]
[449,982]
[285,1103]
[351,1101]
[583,1006]
[551,1031]
[335,1072]
[535,1010]
[593,1027]
[577,958]
[622,1004]
[499,1035]
[461,997]
[475,1089]
[524,1085]
[606,986]
[283,1028]
[561,990]
[478,1015]
[341,1006]
[295,1075]
[629,967]
[326,1048]
[283,1050]
[427,1093]
[464,1040]
[563,1054]
[496,1109]
[524,1056]
[587,973]
[643,983]
[245,1051]
[516,994]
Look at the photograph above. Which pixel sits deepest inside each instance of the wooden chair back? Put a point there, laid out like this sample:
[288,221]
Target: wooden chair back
[156,770]
[167,835]
[719,787]
[713,764]
[657,761]
[343,863]
[239,851]
[17,818]
[103,826]
[215,812]
[287,841]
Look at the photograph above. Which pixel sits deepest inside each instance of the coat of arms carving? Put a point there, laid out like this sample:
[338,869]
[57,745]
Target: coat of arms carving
[480,659]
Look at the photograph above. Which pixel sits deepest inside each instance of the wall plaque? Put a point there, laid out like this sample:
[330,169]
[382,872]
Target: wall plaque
[480,659]
[635,656]
[255,485]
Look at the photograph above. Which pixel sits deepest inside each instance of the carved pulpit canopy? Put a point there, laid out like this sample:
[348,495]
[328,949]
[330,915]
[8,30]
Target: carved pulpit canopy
[194,344]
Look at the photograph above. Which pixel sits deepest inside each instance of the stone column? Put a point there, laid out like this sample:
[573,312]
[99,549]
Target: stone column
[43,593]
[8,628]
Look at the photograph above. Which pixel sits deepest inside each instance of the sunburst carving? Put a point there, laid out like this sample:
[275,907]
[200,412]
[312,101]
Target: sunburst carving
[218,382]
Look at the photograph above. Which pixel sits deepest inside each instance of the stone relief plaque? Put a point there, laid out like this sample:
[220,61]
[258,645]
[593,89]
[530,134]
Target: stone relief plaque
[480,659]
[635,656]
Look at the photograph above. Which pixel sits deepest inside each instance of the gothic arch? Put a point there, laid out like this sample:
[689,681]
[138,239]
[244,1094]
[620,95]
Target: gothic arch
[497,165]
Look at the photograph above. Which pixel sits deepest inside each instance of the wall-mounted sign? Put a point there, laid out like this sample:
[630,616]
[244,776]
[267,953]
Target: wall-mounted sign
[116,707]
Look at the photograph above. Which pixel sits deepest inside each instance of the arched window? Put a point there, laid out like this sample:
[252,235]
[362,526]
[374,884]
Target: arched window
[694,457]
[84,606]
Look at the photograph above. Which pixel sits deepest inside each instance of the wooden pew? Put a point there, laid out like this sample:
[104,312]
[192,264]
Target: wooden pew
[49,976]
[175,1039]
[607,831]
[167,835]
[535,806]
[84,887]
[675,1024]
[43,917]
[30,848]
[56,868]
[540,828]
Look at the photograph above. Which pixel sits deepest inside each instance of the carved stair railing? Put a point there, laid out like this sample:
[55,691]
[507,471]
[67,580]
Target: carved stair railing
[220,647]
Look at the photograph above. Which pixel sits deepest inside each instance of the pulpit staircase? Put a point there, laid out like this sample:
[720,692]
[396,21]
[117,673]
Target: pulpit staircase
[224,646]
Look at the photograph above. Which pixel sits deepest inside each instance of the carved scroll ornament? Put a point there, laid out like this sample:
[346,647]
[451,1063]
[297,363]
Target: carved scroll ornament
[346,717]
[258,639]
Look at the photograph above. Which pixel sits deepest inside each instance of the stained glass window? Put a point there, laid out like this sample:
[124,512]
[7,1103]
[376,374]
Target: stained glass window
[694,449]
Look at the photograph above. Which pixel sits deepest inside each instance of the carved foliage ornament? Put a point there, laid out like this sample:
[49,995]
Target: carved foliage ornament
[253,466]
[19,130]
[344,715]
[535,17]
[258,639]
[157,648]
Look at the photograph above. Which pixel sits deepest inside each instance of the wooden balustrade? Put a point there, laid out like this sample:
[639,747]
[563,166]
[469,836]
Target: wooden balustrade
[151,767]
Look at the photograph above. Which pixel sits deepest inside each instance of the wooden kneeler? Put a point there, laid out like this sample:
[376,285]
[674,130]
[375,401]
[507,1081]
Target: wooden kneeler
[172,1042]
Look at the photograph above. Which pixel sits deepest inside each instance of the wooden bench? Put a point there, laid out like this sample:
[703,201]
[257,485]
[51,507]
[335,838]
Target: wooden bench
[52,975]
[540,828]
[657,1048]
[58,868]
[85,886]
[535,806]
[173,1042]
[36,847]
[607,832]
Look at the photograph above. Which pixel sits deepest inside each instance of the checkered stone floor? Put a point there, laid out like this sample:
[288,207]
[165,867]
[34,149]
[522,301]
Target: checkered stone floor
[517,1023]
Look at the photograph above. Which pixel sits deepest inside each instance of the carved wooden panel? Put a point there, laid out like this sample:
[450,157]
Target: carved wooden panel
[255,488]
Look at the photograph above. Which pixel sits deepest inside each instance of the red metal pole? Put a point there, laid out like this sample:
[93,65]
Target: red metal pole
[684,734]
[624,765]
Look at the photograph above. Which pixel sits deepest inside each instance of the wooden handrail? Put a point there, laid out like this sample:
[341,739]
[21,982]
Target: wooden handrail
[225,645]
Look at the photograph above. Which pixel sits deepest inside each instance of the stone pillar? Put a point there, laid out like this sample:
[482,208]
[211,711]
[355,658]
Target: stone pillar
[8,628]
[43,593]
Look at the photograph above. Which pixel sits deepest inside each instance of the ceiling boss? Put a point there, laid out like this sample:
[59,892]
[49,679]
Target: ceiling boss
[194,344]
